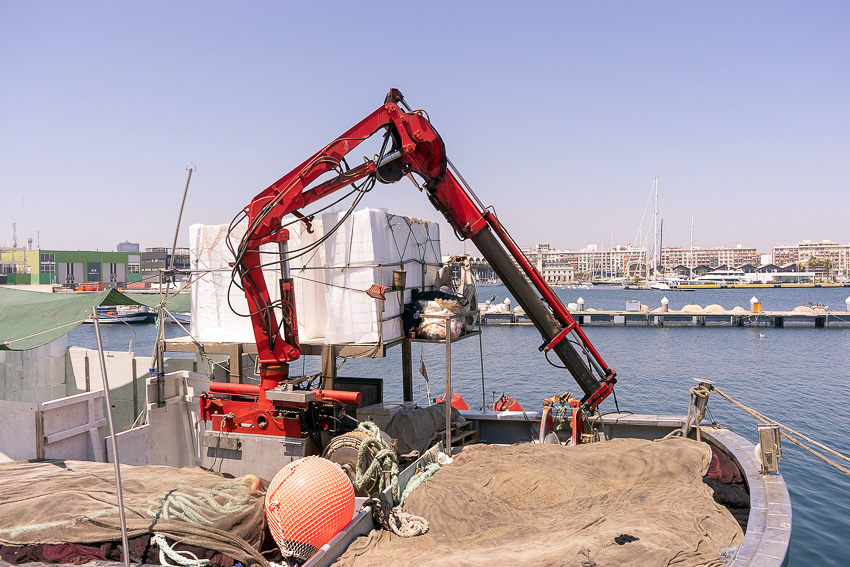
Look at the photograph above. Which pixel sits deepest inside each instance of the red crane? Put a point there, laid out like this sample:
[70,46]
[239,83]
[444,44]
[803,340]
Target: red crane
[411,148]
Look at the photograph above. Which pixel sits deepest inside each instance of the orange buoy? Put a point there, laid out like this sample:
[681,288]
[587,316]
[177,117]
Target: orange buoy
[457,401]
[309,501]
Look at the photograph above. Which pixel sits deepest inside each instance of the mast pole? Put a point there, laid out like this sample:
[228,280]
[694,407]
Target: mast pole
[691,259]
[655,233]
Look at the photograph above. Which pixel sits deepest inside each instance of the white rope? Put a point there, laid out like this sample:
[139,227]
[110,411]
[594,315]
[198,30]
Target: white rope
[187,560]
[790,435]
[7,343]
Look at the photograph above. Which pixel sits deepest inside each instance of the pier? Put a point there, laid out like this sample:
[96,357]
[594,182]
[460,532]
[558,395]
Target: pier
[696,287]
[732,318]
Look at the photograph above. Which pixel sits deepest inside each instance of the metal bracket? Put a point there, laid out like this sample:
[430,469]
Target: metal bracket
[727,554]
[222,442]
[769,448]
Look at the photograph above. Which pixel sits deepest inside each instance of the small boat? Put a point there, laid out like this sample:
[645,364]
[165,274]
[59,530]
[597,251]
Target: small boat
[721,277]
[620,282]
[182,318]
[122,314]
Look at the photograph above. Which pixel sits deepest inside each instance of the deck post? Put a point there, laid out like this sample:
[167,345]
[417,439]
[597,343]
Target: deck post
[448,399]
[328,366]
[407,370]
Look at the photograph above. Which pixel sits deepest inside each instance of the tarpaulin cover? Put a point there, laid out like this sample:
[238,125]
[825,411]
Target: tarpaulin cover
[177,303]
[30,319]
[416,429]
[621,502]
[57,502]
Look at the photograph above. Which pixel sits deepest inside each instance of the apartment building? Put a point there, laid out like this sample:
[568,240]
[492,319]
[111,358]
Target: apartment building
[733,257]
[827,258]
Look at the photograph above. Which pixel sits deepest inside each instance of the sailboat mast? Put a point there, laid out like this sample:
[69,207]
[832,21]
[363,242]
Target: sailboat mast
[655,231]
[660,242]
[691,259]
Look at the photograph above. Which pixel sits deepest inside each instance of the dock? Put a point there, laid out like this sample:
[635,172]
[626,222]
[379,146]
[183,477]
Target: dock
[777,319]
[696,287]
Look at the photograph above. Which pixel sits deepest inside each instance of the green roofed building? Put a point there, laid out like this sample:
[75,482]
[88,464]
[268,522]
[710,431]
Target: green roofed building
[68,267]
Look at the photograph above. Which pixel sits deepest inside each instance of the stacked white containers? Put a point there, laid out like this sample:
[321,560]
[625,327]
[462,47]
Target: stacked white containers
[213,320]
[365,250]
[330,280]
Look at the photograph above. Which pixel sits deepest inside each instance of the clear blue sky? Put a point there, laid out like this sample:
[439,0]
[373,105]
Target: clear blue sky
[559,114]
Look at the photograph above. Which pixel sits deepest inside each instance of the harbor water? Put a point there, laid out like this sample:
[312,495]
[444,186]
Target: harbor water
[799,376]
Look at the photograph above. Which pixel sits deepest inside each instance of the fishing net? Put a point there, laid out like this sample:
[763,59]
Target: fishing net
[621,502]
[57,502]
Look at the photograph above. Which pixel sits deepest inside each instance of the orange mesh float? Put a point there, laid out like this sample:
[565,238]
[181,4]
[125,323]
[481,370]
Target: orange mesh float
[309,501]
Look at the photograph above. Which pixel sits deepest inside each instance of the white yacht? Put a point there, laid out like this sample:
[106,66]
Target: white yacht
[723,277]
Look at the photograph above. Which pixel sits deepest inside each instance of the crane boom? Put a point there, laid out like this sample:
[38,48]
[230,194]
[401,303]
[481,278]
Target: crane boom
[415,147]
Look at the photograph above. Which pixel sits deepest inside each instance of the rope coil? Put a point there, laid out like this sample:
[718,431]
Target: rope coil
[188,559]
[387,509]
[385,460]
[394,519]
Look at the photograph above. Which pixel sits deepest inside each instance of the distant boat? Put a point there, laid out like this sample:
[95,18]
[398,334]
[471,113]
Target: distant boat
[613,281]
[182,318]
[122,314]
[659,286]
[722,277]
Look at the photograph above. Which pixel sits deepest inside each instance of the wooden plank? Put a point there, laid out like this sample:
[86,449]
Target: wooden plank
[79,430]
[71,400]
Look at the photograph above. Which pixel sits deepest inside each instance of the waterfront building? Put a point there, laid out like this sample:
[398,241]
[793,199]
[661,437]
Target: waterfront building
[156,259]
[126,246]
[712,258]
[481,269]
[615,262]
[556,266]
[563,266]
[825,258]
[68,267]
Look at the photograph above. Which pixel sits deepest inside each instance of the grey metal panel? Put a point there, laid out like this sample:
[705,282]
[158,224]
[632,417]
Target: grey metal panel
[277,452]
[768,536]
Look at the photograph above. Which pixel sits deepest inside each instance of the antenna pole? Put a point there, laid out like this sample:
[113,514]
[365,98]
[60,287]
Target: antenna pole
[190,167]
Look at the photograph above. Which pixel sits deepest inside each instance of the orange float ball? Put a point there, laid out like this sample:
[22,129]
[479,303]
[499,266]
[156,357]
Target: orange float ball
[309,501]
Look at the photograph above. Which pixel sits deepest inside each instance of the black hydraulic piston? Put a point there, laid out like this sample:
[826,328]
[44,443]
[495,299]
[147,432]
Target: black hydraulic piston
[535,308]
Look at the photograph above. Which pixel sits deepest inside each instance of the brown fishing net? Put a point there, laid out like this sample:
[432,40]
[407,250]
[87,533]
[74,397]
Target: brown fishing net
[57,502]
[622,502]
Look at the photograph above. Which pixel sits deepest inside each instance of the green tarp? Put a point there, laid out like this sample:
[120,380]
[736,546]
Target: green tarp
[30,319]
[179,303]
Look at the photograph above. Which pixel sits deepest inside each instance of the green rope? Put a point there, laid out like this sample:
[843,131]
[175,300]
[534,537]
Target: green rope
[418,479]
[385,460]
[201,506]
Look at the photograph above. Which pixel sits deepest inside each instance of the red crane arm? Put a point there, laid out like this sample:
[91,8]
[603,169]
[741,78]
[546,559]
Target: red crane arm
[416,148]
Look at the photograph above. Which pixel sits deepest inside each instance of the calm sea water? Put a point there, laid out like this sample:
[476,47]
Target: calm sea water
[798,376]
